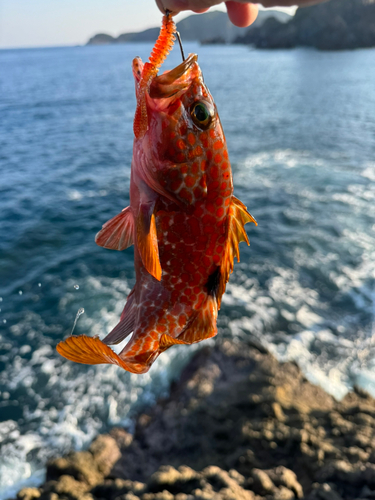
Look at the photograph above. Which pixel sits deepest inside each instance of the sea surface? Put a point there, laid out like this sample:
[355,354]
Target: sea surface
[300,127]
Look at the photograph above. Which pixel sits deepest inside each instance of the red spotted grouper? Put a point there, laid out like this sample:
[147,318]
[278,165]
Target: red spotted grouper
[183,220]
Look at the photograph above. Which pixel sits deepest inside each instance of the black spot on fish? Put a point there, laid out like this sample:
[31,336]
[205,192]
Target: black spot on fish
[213,283]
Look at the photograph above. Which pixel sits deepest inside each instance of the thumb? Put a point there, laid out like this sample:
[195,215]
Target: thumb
[241,14]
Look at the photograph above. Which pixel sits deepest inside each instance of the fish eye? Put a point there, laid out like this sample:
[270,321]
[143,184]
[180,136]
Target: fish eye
[202,114]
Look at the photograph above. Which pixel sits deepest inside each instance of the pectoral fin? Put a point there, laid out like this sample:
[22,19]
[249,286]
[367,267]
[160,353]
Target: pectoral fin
[147,242]
[238,216]
[117,233]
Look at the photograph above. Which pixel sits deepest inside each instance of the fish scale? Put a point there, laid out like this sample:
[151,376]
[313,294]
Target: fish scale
[183,219]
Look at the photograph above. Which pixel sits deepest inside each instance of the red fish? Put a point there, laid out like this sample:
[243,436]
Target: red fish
[183,219]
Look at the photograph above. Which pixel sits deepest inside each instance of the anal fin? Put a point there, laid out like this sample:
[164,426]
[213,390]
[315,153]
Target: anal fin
[203,325]
[126,323]
[117,233]
[166,341]
[147,242]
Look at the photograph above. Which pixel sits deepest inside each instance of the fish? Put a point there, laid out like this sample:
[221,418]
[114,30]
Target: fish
[183,220]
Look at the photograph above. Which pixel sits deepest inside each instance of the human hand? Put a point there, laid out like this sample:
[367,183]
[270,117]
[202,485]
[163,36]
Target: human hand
[242,13]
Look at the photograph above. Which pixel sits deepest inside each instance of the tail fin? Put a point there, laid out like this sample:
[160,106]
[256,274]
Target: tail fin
[91,351]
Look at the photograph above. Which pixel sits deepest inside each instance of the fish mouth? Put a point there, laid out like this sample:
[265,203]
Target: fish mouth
[175,81]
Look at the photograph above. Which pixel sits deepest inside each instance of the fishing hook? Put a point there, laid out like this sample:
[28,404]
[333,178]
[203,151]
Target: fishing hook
[180,43]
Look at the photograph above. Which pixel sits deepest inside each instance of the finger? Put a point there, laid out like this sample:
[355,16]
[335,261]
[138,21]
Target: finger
[176,6]
[241,15]
[289,3]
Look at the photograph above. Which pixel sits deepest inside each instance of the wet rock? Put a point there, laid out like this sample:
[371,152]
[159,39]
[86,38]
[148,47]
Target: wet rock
[283,493]
[261,482]
[81,466]
[183,480]
[282,476]
[49,496]
[128,496]
[111,489]
[219,484]
[123,438]
[237,426]
[105,453]
[69,487]
[28,494]
[161,495]
[323,492]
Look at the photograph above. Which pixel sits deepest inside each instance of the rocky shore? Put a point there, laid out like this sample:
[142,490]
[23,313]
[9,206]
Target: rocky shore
[237,426]
[333,25]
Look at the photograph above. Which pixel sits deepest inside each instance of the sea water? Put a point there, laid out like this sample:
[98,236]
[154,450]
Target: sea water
[300,127]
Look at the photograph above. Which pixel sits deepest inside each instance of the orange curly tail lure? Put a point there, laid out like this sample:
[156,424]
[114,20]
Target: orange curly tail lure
[162,47]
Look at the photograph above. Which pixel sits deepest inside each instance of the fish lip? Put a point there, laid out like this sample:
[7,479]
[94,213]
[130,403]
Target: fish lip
[173,81]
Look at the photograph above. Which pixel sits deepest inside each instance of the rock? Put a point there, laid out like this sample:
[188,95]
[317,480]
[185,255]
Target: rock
[166,475]
[81,466]
[76,490]
[49,496]
[28,494]
[161,495]
[105,452]
[123,438]
[262,483]
[111,489]
[183,480]
[283,493]
[323,492]
[101,39]
[128,496]
[222,486]
[334,25]
[237,426]
[282,476]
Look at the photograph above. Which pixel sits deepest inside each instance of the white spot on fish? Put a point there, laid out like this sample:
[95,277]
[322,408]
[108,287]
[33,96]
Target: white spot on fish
[76,287]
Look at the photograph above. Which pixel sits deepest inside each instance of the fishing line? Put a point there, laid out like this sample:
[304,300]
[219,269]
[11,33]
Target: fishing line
[180,44]
[168,13]
[79,313]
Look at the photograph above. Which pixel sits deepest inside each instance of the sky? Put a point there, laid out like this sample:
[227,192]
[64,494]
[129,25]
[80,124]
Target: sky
[43,23]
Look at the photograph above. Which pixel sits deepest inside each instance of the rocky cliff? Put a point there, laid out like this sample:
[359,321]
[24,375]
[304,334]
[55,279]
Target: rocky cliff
[237,426]
[334,25]
[199,28]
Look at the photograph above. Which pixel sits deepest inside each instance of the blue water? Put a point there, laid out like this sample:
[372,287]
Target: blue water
[300,127]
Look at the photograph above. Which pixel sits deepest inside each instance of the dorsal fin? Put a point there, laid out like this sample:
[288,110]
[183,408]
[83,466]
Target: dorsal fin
[147,242]
[238,216]
[117,233]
